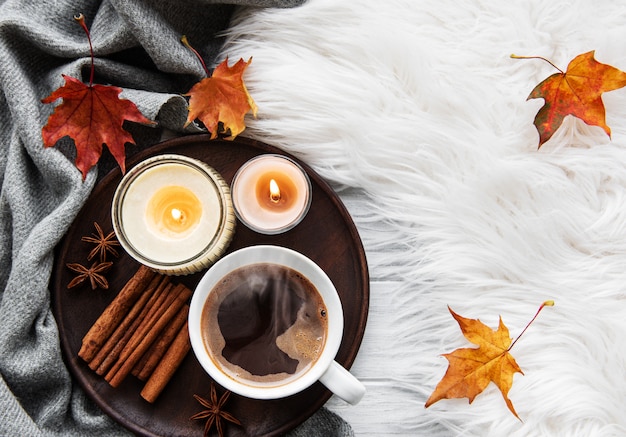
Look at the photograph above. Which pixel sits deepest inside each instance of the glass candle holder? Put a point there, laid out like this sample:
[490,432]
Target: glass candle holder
[271,194]
[173,214]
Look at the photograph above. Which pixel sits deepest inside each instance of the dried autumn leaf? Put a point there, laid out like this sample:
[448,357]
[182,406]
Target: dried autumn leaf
[92,115]
[222,97]
[470,370]
[577,92]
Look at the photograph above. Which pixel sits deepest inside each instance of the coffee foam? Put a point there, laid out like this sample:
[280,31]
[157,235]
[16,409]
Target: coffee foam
[302,340]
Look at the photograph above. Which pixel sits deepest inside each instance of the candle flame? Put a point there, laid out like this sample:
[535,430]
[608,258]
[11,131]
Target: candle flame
[177,215]
[274,191]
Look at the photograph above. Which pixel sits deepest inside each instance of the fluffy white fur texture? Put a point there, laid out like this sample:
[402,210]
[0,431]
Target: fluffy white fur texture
[418,116]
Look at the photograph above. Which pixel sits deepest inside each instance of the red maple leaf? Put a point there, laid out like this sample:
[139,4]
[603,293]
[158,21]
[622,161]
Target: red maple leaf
[92,115]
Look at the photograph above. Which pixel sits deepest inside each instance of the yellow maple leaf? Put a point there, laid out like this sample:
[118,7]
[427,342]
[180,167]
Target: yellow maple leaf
[470,370]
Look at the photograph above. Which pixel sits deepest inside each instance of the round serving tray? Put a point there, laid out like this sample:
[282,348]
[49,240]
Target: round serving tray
[327,235]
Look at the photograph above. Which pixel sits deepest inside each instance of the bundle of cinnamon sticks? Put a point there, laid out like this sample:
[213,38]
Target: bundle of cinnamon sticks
[142,332]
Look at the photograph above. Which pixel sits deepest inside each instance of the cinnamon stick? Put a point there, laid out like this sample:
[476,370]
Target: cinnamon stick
[124,326]
[168,365]
[141,327]
[114,351]
[170,293]
[114,313]
[130,362]
[153,355]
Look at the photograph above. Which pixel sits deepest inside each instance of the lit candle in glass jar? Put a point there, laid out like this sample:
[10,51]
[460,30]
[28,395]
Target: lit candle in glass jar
[271,194]
[173,214]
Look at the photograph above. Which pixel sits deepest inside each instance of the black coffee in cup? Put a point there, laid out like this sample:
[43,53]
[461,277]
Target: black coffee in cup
[264,324]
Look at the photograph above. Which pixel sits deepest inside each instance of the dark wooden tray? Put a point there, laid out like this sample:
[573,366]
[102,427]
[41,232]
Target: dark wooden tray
[327,235]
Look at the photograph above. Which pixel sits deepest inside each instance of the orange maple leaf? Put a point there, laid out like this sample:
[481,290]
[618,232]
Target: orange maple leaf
[470,370]
[577,92]
[223,97]
[220,97]
[92,115]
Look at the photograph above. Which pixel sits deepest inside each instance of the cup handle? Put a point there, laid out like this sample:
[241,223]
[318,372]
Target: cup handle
[342,383]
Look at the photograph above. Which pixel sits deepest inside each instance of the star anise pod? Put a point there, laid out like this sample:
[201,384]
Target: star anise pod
[93,273]
[214,412]
[104,243]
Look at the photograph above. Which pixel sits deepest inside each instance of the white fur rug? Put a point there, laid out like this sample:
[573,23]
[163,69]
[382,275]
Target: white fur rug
[415,112]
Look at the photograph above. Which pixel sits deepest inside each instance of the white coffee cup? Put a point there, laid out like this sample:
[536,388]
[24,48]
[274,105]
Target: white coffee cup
[325,369]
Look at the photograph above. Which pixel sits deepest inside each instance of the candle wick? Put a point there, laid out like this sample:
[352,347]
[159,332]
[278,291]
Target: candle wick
[274,192]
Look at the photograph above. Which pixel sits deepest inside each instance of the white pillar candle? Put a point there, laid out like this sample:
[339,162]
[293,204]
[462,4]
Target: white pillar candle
[271,193]
[173,214]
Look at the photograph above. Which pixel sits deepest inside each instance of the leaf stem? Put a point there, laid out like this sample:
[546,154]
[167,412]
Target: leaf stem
[547,303]
[537,57]
[80,19]
[185,42]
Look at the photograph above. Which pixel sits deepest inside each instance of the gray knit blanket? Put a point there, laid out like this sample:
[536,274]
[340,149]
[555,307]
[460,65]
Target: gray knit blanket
[137,47]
